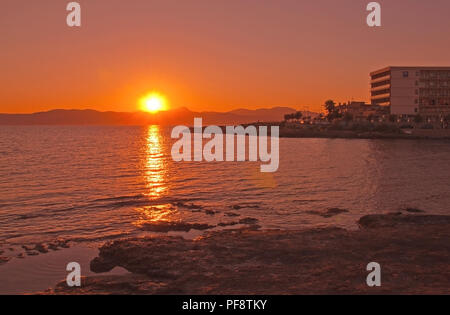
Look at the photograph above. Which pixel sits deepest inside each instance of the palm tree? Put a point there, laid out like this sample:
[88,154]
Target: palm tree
[330,107]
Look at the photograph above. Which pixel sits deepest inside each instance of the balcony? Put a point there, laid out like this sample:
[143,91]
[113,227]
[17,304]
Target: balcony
[387,77]
[381,87]
[377,97]
[386,103]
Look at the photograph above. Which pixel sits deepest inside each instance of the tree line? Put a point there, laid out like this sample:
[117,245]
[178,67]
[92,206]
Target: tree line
[293,116]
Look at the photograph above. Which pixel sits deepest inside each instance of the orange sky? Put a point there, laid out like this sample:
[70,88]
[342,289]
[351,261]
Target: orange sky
[208,54]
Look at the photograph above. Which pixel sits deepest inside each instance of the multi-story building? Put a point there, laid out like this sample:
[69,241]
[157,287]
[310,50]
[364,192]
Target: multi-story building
[412,90]
[363,111]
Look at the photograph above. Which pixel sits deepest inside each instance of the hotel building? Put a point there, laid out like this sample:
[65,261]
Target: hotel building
[412,90]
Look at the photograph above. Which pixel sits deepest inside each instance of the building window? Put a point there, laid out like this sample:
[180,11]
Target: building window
[405,74]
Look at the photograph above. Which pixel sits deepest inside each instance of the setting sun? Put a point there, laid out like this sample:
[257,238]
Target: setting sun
[153,102]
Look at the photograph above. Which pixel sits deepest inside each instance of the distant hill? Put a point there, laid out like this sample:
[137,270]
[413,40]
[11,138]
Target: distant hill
[179,116]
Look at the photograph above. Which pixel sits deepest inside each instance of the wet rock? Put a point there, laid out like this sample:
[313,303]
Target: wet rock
[398,219]
[166,226]
[245,205]
[62,243]
[414,210]
[248,221]
[101,265]
[223,224]
[27,248]
[41,248]
[53,247]
[155,267]
[115,285]
[331,212]
[4,260]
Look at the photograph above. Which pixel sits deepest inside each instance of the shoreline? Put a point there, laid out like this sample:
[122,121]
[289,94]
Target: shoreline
[305,132]
[326,133]
[348,134]
[412,249]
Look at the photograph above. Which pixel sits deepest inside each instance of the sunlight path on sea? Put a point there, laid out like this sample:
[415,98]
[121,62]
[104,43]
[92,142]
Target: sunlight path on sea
[155,166]
[155,169]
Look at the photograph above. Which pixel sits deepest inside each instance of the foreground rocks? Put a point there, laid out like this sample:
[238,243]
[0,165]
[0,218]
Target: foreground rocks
[413,250]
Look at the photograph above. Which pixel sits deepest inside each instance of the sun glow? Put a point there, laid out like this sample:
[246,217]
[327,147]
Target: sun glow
[153,103]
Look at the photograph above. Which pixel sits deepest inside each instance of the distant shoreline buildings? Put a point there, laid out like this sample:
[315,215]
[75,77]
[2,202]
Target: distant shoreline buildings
[399,93]
[421,91]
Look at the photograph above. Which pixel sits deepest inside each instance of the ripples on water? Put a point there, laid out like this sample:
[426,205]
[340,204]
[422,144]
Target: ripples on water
[94,183]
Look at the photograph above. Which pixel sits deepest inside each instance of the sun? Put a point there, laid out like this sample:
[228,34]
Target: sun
[153,102]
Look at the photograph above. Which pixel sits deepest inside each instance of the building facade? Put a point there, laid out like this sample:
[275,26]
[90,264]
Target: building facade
[412,90]
[360,111]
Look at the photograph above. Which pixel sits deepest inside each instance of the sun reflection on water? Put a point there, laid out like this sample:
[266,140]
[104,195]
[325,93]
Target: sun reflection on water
[155,170]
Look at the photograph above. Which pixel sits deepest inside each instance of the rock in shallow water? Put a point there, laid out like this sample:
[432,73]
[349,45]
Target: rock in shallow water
[398,219]
[4,260]
[41,248]
[166,226]
[331,212]
[326,261]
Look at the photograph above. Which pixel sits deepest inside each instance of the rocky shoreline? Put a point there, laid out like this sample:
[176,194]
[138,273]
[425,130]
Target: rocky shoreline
[412,249]
[390,132]
[349,134]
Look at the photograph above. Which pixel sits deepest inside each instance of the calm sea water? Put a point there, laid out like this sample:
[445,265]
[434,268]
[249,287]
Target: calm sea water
[95,183]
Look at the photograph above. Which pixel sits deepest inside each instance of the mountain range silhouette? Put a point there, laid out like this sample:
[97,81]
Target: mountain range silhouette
[178,116]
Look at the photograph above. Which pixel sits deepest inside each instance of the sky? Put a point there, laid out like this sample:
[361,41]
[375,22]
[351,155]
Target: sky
[209,55]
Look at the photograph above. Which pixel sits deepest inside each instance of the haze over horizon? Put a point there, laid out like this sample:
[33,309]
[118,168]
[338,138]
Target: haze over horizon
[136,110]
[208,55]
[176,116]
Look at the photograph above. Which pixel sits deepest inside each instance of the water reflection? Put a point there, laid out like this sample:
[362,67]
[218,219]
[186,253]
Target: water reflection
[155,170]
[157,214]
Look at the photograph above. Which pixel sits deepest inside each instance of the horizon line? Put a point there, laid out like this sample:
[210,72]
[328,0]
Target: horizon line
[162,111]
